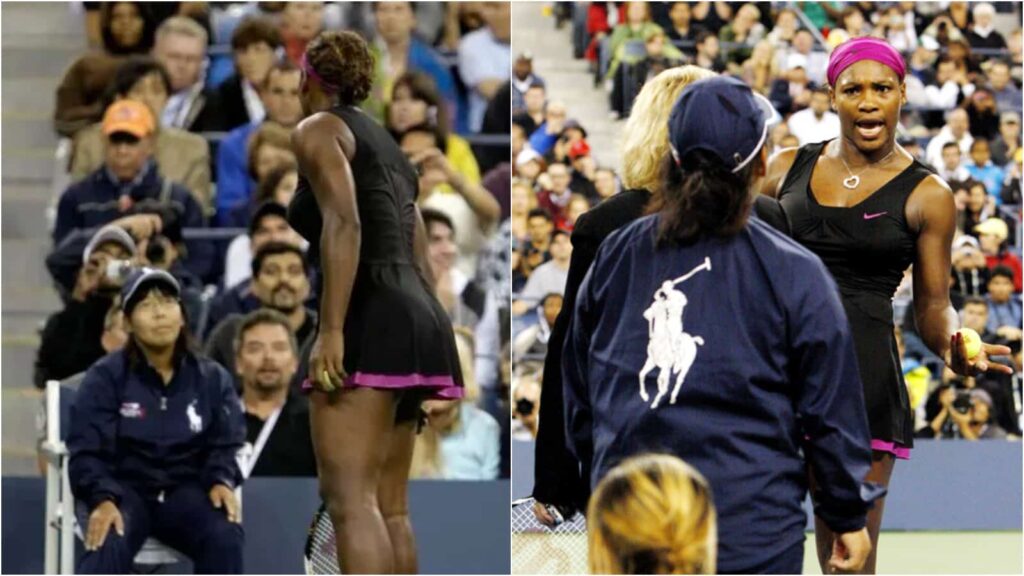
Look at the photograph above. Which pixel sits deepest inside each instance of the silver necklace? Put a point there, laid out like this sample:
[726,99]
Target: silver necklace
[854,179]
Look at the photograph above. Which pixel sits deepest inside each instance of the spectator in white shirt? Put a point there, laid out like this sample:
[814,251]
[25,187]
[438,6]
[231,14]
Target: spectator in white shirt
[485,57]
[952,168]
[815,123]
[957,129]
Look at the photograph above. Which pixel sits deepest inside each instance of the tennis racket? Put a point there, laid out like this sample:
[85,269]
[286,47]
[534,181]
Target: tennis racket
[539,549]
[321,552]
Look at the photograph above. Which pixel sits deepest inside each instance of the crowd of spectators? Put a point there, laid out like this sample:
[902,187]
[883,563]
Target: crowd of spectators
[962,118]
[180,118]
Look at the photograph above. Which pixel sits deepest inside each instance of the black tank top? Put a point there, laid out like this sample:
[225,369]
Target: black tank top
[867,246]
[386,190]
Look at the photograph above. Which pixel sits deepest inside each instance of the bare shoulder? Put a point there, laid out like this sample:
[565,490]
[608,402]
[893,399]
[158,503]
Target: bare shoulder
[317,126]
[778,166]
[319,130]
[931,202]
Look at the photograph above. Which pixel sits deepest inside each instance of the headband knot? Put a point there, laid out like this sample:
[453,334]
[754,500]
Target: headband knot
[854,50]
[311,72]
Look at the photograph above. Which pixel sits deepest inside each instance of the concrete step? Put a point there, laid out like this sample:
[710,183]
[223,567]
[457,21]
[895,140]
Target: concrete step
[17,363]
[23,129]
[27,286]
[23,211]
[33,96]
[22,328]
[57,18]
[50,61]
[567,79]
[34,164]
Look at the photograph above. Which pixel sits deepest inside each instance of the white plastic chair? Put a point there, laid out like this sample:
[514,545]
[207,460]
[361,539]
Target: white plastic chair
[61,525]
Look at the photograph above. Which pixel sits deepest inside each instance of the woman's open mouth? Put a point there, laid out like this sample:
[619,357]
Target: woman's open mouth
[869,129]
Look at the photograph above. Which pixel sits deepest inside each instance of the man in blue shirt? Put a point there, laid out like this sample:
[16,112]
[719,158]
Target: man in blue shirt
[1004,307]
[280,96]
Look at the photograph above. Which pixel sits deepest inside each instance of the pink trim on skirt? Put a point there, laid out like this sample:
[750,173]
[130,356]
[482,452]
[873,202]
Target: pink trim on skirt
[444,385]
[898,450]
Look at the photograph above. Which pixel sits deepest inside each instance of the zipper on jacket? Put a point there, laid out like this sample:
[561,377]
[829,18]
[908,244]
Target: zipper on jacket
[163,403]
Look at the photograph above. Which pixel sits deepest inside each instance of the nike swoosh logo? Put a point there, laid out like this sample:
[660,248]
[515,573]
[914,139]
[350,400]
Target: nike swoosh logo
[873,216]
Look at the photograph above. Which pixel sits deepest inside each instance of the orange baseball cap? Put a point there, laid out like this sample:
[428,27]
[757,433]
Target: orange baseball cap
[128,116]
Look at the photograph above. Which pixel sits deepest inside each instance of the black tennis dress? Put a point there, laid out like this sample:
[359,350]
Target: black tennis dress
[866,247]
[397,335]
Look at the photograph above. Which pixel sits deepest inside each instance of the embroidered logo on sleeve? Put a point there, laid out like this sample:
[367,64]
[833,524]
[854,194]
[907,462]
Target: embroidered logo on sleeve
[669,348]
[132,410]
[195,421]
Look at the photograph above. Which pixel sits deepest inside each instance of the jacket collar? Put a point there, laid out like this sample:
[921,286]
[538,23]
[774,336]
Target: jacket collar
[146,176]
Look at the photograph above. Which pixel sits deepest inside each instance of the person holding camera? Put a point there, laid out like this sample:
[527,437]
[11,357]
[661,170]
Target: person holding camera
[969,411]
[82,320]
[129,183]
[526,403]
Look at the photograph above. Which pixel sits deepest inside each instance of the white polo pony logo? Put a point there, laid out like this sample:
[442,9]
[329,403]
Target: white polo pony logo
[669,349]
[195,421]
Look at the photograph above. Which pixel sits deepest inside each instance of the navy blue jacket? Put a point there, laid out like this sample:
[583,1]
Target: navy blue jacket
[238,299]
[93,202]
[772,361]
[129,429]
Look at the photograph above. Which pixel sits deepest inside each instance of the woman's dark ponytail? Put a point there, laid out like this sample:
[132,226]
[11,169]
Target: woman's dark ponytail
[700,196]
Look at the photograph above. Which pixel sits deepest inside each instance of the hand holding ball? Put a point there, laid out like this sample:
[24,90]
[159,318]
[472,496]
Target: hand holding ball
[972,342]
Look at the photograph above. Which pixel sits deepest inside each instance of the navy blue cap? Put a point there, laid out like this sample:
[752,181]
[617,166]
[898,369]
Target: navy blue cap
[721,115]
[146,276]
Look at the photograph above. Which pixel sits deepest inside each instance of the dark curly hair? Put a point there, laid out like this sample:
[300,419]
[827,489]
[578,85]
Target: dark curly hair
[344,61]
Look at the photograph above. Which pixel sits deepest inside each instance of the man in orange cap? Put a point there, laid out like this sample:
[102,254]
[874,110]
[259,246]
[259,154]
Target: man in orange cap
[129,182]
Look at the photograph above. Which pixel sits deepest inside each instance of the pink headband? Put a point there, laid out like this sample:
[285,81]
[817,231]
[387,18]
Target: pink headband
[311,72]
[852,51]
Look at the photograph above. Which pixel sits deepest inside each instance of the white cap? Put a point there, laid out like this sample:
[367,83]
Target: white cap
[526,155]
[796,60]
[109,233]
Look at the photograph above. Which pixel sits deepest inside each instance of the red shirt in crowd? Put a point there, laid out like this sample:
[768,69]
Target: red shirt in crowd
[1008,259]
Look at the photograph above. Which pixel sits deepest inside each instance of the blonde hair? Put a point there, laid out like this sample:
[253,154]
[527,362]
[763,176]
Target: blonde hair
[652,514]
[645,144]
[427,458]
[183,26]
[268,134]
[465,345]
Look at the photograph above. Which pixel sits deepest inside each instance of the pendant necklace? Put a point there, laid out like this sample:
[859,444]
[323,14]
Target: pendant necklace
[854,179]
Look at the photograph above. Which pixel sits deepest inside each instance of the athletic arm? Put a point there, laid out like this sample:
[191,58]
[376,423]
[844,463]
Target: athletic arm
[322,159]
[931,211]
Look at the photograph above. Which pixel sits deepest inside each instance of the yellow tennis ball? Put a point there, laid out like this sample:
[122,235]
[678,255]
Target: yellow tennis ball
[972,341]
